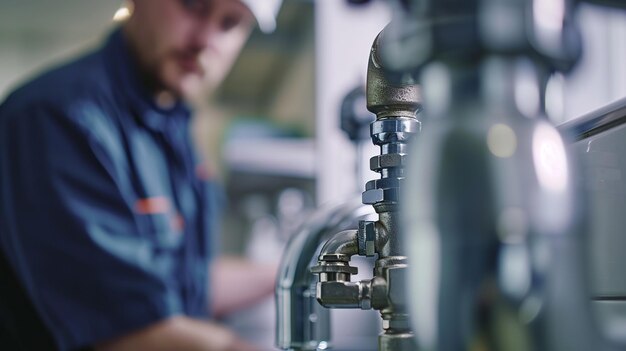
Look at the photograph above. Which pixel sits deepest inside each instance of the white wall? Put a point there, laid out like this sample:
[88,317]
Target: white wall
[344,37]
[600,76]
[37,33]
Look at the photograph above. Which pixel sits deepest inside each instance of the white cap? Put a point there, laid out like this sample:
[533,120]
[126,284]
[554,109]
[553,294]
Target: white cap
[265,12]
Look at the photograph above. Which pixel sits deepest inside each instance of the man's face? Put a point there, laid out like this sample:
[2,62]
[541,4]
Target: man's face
[183,45]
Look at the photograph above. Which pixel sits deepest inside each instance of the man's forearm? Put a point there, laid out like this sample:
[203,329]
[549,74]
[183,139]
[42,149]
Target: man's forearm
[178,333]
[237,283]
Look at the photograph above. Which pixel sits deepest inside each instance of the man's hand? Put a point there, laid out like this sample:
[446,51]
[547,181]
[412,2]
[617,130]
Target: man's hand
[181,334]
[237,283]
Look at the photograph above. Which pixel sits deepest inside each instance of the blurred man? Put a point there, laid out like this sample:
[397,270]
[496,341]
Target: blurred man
[106,214]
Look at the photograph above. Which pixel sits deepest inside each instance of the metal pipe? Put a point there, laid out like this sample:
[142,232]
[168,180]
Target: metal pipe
[343,243]
[396,104]
[595,122]
[611,3]
[302,324]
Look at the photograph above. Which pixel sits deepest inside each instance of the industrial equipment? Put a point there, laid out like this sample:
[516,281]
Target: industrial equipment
[494,220]
[480,240]
[396,107]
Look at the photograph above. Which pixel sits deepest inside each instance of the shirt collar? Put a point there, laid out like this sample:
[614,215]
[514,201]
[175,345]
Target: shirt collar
[124,69]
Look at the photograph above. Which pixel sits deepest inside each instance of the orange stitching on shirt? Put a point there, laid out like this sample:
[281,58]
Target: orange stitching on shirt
[153,205]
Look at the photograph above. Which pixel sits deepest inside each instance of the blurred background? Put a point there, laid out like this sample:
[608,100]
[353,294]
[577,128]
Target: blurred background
[272,132]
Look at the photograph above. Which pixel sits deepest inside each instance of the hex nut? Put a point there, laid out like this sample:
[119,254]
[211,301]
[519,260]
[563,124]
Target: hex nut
[379,162]
[375,196]
[367,238]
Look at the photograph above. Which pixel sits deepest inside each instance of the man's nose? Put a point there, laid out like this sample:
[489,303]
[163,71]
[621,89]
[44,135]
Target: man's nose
[205,33]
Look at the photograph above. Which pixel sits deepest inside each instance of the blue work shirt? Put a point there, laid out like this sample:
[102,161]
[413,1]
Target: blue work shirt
[106,217]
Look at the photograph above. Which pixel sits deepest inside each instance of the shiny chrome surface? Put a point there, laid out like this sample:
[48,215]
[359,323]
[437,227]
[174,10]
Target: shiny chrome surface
[603,164]
[302,324]
[596,122]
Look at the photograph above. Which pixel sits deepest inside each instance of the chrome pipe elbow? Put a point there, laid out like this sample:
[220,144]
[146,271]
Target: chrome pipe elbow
[301,322]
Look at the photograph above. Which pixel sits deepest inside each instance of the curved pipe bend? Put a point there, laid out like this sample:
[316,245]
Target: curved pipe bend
[344,242]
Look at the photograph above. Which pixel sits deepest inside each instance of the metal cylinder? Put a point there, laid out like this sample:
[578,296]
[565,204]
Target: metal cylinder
[494,224]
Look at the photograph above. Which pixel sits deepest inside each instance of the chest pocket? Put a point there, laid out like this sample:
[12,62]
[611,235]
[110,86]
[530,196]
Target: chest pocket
[156,210]
[161,222]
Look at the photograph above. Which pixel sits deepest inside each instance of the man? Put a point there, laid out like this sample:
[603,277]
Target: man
[105,212]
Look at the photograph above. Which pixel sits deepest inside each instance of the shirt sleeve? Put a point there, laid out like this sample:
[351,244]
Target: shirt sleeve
[69,231]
